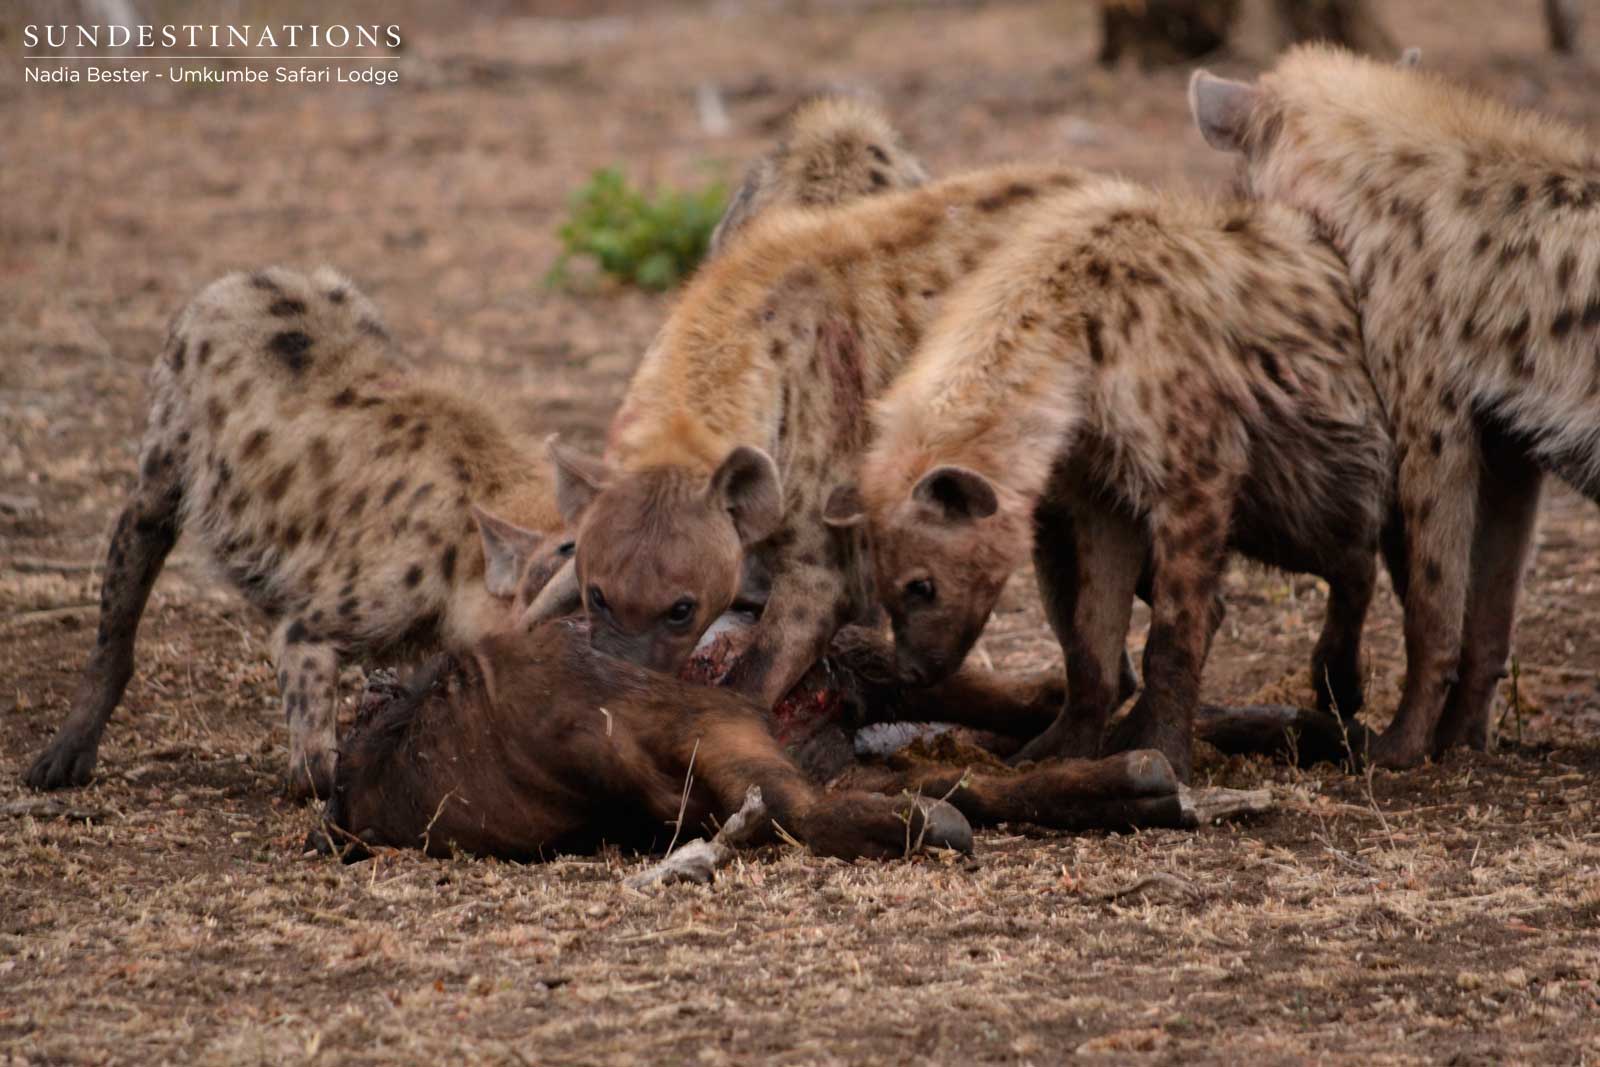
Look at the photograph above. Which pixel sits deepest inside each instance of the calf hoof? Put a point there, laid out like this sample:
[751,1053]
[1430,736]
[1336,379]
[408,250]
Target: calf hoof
[937,824]
[68,761]
[310,776]
[1144,772]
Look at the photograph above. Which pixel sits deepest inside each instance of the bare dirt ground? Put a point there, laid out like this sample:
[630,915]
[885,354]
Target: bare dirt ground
[1451,915]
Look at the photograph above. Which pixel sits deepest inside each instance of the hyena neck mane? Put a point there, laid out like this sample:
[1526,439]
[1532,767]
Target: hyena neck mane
[1365,142]
[808,301]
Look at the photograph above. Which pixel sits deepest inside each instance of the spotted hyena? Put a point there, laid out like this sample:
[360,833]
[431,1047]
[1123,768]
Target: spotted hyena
[1136,382]
[1472,233]
[364,512]
[834,149]
[751,406]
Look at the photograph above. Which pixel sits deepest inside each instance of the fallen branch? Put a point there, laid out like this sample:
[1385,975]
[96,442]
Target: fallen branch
[55,614]
[51,808]
[37,565]
[698,860]
[1160,878]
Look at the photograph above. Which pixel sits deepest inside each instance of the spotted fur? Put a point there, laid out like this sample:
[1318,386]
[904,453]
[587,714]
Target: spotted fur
[328,486]
[1137,383]
[1472,232]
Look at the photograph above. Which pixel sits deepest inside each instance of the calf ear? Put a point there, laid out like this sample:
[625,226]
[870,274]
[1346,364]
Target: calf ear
[747,485]
[506,548]
[1411,57]
[579,478]
[844,507]
[1222,109]
[957,494]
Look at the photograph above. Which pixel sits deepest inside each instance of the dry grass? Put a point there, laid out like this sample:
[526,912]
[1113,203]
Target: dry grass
[1448,915]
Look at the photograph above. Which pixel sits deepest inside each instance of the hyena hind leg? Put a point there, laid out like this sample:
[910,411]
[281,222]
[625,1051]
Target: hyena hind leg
[1508,510]
[145,533]
[308,682]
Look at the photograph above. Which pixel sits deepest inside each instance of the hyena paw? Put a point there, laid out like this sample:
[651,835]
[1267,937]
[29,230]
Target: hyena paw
[69,761]
[1066,738]
[1396,751]
[1138,730]
[310,775]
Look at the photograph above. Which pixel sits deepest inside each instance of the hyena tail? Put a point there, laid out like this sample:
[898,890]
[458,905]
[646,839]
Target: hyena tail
[835,149]
[145,533]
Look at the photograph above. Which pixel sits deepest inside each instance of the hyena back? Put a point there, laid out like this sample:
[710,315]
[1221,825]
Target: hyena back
[751,405]
[333,491]
[1136,382]
[1473,235]
[835,149]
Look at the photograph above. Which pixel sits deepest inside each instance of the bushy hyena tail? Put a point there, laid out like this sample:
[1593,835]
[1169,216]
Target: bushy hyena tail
[835,149]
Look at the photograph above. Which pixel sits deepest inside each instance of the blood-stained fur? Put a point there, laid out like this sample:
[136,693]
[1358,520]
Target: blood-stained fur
[750,407]
[530,744]
[834,149]
[1472,232]
[363,512]
[1136,381]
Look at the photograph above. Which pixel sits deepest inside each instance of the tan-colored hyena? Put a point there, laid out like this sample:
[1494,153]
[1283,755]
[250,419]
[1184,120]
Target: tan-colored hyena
[1472,233]
[750,407]
[331,488]
[1135,380]
[834,149]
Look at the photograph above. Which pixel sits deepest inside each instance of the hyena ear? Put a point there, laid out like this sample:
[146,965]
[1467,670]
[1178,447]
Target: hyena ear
[1411,57]
[844,507]
[957,494]
[1222,109]
[747,485]
[506,548]
[579,478]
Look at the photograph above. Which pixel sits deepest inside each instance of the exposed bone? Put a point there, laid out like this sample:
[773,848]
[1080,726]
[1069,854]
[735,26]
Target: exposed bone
[697,861]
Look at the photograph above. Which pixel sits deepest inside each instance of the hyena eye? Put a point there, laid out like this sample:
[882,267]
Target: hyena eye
[920,589]
[597,602]
[566,548]
[681,611]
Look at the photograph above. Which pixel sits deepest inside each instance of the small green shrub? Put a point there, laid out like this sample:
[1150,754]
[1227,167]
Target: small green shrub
[650,241]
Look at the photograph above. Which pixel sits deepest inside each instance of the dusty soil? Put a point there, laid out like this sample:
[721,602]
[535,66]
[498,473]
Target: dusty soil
[1448,915]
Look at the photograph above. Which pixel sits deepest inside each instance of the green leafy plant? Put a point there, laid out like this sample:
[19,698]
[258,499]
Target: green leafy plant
[651,241]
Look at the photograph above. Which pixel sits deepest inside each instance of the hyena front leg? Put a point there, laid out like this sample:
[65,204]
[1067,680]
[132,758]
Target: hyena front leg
[1089,563]
[1438,496]
[308,684]
[807,605]
[145,533]
[1191,537]
[1336,661]
[1508,508]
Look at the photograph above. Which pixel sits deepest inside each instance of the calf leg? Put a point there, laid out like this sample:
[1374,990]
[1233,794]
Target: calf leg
[1336,661]
[1126,790]
[145,533]
[735,751]
[308,684]
[1089,564]
[1508,508]
[1438,493]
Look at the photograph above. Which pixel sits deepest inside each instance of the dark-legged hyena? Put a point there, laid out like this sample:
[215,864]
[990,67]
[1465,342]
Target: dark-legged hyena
[1472,233]
[332,490]
[834,149]
[1135,380]
[751,406]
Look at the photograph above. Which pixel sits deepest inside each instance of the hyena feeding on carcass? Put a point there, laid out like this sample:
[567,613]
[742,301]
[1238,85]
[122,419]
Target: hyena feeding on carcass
[1136,382]
[834,149]
[747,410]
[1472,233]
[362,511]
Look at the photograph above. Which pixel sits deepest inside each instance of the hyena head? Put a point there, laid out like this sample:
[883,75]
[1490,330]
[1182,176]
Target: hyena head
[1294,107]
[519,563]
[939,558]
[661,551]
